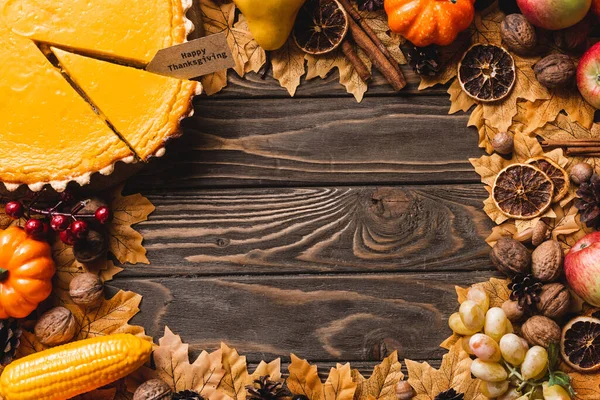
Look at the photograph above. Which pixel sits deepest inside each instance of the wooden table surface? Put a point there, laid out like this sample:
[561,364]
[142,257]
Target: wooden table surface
[313,225]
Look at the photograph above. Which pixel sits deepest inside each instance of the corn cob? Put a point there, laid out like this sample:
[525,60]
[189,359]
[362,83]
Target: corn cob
[75,368]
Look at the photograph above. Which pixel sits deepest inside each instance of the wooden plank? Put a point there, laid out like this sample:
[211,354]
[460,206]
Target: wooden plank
[319,317]
[329,229]
[298,142]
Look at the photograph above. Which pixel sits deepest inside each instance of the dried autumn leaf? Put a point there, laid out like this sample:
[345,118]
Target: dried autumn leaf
[257,57]
[124,242]
[236,373]
[381,385]
[587,386]
[377,21]
[304,379]
[339,384]
[288,66]
[173,366]
[459,99]
[507,229]
[454,373]
[497,290]
[215,19]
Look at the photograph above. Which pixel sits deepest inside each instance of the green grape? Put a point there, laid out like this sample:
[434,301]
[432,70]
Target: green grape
[513,348]
[495,323]
[457,325]
[464,342]
[535,362]
[493,389]
[485,348]
[509,327]
[472,315]
[555,392]
[479,296]
[488,371]
[511,394]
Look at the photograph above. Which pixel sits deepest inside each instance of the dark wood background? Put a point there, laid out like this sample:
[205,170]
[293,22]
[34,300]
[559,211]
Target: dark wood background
[313,225]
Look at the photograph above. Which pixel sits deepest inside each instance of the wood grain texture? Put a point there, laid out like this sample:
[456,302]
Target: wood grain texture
[324,318]
[298,142]
[330,229]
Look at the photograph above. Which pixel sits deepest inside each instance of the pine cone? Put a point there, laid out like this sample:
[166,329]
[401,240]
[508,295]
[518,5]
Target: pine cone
[10,335]
[588,202]
[187,395]
[526,291]
[370,5]
[450,395]
[424,60]
[267,390]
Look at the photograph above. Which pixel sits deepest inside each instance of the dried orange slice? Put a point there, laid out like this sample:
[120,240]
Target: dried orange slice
[320,26]
[560,177]
[522,191]
[580,344]
[487,72]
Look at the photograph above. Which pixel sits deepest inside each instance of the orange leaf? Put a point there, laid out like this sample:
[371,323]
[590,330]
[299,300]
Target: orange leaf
[381,385]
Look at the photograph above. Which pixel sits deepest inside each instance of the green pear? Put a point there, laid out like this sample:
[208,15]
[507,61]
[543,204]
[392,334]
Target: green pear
[270,21]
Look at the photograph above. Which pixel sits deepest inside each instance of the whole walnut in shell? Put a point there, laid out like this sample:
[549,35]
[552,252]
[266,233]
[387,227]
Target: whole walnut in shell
[154,389]
[547,261]
[554,300]
[87,290]
[518,34]
[555,70]
[55,327]
[541,331]
[510,257]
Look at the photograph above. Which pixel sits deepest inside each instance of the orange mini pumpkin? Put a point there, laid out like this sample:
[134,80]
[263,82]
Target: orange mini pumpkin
[425,22]
[26,270]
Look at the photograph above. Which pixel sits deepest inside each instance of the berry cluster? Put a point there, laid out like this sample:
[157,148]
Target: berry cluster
[72,225]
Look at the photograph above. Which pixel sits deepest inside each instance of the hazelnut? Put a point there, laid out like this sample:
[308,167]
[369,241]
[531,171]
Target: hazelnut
[581,173]
[554,301]
[555,70]
[404,391]
[154,389]
[541,331]
[518,34]
[510,257]
[547,261]
[540,232]
[513,310]
[56,326]
[87,290]
[503,143]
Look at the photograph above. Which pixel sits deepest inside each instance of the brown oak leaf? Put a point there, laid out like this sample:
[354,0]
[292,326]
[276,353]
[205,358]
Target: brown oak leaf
[454,373]
[381,384]
[288,65]
[304,379]
[124,241]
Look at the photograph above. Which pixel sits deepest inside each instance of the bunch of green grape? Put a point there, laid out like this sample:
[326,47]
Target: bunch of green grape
[508,368]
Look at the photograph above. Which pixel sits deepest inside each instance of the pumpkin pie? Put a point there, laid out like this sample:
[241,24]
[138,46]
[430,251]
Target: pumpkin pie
[144,108]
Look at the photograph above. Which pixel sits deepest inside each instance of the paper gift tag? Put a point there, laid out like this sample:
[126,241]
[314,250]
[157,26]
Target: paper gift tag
[194,58]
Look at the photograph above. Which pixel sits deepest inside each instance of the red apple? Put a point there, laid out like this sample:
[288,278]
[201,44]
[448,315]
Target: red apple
[588,75]
[554,14]
[582,268]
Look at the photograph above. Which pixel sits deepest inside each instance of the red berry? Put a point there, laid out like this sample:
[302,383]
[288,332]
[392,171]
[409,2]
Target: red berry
[59,223]
[67,237]
[35,227]
[79,229]
[102,214]
[14,209]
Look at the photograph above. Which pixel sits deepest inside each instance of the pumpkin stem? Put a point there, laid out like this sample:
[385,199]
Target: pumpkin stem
[3,274]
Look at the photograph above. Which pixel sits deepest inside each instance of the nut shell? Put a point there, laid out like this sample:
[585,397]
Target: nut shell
[555,70]
[404,391]
[518,34]
[540,232]
[92,248]
[541,331]
[511,257]
[555,300]
[513,311]
[503,143]
[55,327]
[547,261]
[154,389]
[581,173]
[87,290]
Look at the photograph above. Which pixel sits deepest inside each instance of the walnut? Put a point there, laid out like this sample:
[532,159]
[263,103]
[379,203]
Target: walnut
[87,290]
[513,311]
[154,389]
[547,261]
[404,391]
[541,331]
[56,326]
[581,173]
[540,232]
[503,143]
[510,257]
[574,38]
[555,70]
[555,300]
[518,34]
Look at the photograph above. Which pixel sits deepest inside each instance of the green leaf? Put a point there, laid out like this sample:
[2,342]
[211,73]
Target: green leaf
[561,379]
[552,356]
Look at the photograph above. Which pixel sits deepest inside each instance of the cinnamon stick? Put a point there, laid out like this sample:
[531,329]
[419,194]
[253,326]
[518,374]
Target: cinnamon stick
[355,60]
[582,150]
[380,62]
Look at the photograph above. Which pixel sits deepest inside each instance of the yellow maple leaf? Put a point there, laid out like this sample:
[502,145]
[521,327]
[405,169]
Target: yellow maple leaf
[256,55]
[454,373]
[304,379]
[124,241]
[339,384]
[587,386]
[460,100]
[506,229]
[173,366]
[381,385]
[288,65]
